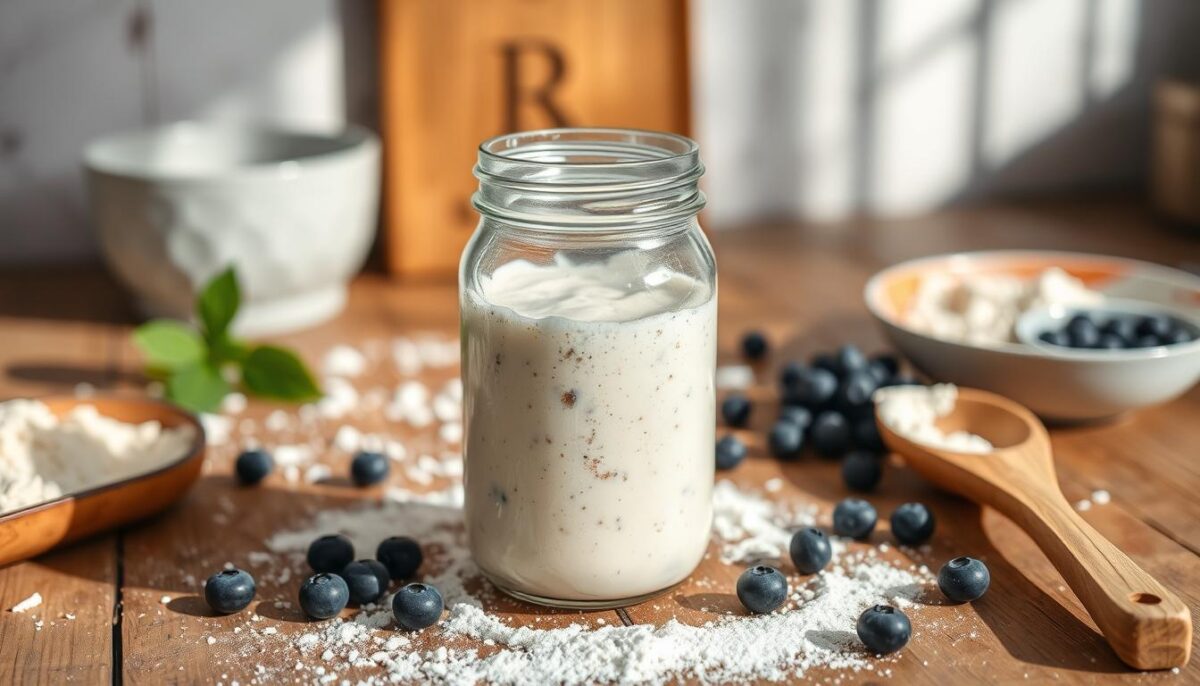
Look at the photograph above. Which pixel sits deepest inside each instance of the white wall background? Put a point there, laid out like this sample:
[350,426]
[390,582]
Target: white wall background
[804,108]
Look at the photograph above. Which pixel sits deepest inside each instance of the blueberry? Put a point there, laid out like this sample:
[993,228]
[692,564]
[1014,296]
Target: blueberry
[1148,341]
[964,579]
[796,414]
[912,523]
[1157,325]
[367,580]
[786,439]
[229,590]
[1124,327]
[791,373]
[883,629]
[330,553]
[854,517]
[253,466]
[1058,337]
[824,361]
[854,395]
[814,390]
[417,606]
[762,589]
[830,433]
[730,452]
[401,555]
[879,372]
[866,435]
[754,345]
[369,468]
[736,409]
[1110,341]
[1084,335]
[849,359]
[889,362]
[861,470]
[810,550]
[1178,336]
[324,595]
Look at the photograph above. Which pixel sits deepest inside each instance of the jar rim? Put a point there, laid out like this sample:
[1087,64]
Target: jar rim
[652,144]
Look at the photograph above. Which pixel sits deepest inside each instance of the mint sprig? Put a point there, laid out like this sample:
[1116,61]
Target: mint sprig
[201,367]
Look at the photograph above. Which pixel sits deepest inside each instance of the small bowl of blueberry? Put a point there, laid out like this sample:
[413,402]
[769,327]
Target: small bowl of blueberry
[1115,328]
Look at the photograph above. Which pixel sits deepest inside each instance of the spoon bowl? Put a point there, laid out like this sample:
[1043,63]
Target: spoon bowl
[1146,625]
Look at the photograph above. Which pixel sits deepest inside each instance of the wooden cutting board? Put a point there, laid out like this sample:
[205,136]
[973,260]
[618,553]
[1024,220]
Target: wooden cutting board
[456,72]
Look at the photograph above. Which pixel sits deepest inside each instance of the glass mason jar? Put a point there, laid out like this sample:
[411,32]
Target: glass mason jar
[589,320]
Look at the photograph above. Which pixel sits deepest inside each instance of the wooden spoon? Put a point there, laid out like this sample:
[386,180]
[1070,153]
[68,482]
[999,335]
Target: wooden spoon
[1147,625]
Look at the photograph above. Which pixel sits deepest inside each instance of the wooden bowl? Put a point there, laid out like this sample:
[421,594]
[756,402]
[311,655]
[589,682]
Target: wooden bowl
[33,530]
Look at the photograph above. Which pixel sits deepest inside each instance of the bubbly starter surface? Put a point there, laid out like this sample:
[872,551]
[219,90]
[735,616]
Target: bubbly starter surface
[590,419]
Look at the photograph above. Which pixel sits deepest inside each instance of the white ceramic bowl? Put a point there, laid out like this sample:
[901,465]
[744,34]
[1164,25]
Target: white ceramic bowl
[1061,385]
[295,213]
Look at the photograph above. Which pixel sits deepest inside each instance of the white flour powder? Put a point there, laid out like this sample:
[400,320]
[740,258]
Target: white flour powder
[42,457]
[815,627]
[913,411]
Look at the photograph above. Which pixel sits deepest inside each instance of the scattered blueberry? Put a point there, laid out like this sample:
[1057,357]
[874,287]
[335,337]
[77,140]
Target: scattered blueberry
[369,468]
[830,433]
[883,629]
[229,590]
[849,359]
[861,470]
[879,372]
[730,452]
[889,362]
[796,414]
[810,550]
[824,361]
[330,553]
[866,435]
[964,579]
[791,373]
[854,517]
[417,606]
[854,395]
[786,439]
[754,345]
[762,589]
[324,595]
[253,466]
[367,580]
[815,389]
[912,523]
[736,409]
[401,555]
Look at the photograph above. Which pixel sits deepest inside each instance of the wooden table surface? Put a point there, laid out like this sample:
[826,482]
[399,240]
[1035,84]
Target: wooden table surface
[104,618]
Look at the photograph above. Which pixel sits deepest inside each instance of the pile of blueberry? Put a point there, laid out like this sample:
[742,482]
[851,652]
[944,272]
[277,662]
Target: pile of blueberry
[366,469]
[1119,332]
[340,580]
[825,404]
[882,629]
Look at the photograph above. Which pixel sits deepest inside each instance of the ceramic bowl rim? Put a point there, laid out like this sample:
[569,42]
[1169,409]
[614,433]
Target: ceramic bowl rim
[873,290]
[347,142]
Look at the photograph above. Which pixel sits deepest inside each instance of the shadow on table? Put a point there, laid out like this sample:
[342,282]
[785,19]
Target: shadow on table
[64,377]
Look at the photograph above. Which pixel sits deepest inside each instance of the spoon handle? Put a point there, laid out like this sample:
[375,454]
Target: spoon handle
[1146,625]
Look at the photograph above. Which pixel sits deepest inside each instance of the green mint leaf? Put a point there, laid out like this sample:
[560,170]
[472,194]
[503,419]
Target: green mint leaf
[218,303]
[168,345]
[274,372]
[199,388]
[226,349]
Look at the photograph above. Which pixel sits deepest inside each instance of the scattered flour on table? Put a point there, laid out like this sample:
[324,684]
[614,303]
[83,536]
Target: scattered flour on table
[815,628]
[43,457]
[913,411]
[27,604]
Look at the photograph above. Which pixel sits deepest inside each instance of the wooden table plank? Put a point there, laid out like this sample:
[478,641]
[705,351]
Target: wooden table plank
[69,636]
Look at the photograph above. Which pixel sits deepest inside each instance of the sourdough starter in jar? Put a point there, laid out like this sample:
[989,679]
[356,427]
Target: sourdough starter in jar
[590,413]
